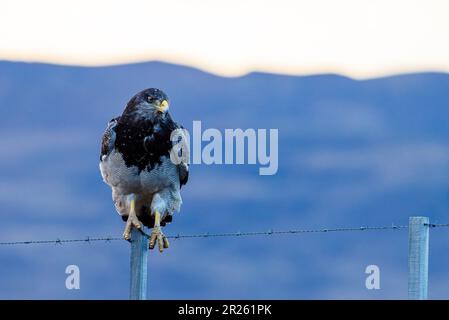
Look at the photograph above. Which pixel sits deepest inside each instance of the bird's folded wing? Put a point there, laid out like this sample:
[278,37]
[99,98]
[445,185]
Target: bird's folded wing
[183,166]
[108,140]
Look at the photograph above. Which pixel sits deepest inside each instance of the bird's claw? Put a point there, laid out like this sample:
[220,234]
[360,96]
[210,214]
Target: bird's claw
[162,241]
[132,221]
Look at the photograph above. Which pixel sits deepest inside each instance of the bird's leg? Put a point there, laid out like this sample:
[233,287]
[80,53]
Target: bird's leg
[132,218]
[157,235]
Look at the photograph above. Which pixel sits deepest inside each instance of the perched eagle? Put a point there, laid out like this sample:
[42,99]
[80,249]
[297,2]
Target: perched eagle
[135,162]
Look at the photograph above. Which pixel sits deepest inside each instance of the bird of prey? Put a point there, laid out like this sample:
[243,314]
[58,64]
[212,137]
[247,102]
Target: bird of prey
[135,162]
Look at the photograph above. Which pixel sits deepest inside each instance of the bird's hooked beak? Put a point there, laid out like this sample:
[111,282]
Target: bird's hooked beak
[163,106]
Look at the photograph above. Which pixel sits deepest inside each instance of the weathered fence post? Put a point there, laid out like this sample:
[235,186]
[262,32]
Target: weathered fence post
[139,265]
[418,258]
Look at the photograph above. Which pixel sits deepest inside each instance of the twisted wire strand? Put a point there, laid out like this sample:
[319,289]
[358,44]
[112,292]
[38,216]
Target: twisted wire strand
[107,239]
[216,235]
[61,241]
[282,232]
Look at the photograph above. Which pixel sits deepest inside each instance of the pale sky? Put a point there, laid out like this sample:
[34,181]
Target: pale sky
[358,38]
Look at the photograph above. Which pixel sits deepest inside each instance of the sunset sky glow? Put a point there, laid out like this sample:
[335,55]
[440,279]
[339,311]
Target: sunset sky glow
[358,38]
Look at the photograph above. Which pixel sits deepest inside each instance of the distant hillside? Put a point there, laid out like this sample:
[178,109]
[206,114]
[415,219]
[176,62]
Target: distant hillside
[351,153]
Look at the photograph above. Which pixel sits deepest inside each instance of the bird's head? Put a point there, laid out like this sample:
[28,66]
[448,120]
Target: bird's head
[149,101]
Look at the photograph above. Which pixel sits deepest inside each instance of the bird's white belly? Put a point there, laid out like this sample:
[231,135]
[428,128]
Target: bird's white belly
[126,180]
[162,176]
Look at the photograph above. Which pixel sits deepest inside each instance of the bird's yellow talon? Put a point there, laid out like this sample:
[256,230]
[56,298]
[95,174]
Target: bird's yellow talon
[157,235]
[160,243]
[152,241]
[132,221]
[166,243]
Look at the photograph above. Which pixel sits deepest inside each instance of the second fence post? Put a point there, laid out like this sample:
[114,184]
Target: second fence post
[139,265]
[418,258]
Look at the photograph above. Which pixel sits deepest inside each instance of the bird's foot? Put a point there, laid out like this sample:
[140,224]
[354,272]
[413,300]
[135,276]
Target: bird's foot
[157,235]
[132,221]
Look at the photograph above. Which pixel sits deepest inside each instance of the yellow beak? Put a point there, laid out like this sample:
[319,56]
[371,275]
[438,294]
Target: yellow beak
[163,106]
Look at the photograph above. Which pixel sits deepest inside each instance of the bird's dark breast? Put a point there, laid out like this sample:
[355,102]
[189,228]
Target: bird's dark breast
[142,142]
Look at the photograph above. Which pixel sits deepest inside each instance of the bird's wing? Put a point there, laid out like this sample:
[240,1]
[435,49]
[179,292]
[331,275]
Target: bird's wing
[183,166]
[183,173]
[108,141]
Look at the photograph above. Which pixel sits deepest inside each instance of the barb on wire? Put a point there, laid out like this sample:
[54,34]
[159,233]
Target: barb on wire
[108,239]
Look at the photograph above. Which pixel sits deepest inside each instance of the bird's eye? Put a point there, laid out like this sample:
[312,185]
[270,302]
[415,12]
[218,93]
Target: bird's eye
[150,99]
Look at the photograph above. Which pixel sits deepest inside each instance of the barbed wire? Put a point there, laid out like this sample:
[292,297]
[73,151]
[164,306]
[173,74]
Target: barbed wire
[283,232]
[61,241]
[107,239]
